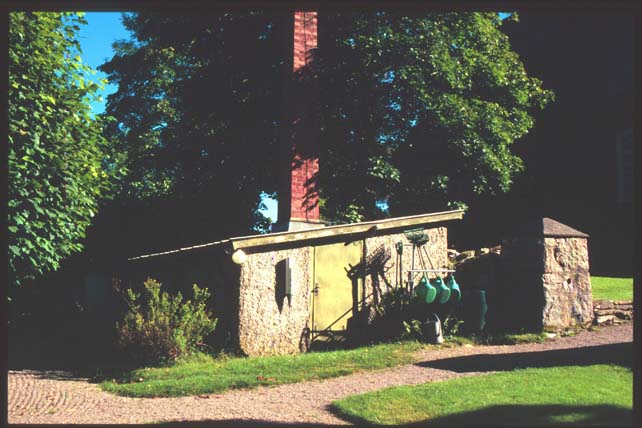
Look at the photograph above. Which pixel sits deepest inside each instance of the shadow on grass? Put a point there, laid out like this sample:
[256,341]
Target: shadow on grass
[620,354]
[522,416]
[207,423]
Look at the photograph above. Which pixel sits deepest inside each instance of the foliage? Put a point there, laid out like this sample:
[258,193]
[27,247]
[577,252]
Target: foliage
[413,330]
[611,288]
[530,397]
[188,88]
[60,165]
[451,326]
[209,375]
[160,328]
[423,108]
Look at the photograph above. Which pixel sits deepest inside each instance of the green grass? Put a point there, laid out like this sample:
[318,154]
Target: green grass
[612,288]
[207,375]
[585,395]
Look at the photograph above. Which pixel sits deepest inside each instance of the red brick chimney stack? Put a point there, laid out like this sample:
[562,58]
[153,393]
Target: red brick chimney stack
[298,200]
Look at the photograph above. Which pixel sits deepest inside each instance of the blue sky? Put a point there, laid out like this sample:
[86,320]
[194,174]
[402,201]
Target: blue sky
[96,38]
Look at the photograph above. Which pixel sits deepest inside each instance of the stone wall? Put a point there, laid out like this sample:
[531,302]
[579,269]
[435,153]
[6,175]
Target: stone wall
[436,247]
[566,282]
[269,322]
[612,312]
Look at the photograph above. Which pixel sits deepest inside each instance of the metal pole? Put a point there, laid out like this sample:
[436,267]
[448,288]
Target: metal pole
[412,266]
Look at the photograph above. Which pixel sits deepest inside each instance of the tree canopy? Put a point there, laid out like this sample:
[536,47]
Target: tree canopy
[418,112]
[60,165]
[198,117]
[421,111]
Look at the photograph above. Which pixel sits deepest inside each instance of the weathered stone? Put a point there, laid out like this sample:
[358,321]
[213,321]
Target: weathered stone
[603,304]
[549,272]
[466,255]
[605,319]
[566,282]
[271,323]
[268,323]
[625,307]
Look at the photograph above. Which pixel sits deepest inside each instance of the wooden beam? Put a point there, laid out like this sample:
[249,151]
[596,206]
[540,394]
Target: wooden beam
[344,230]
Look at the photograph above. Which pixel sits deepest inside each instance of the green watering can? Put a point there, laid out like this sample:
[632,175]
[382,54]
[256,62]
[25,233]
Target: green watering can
[443,292]
[425,291]
[455,292]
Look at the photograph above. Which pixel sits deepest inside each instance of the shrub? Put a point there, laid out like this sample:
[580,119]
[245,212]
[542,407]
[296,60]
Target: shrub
[159,327]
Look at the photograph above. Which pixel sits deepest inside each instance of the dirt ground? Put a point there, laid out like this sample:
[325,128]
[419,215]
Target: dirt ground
[57,397]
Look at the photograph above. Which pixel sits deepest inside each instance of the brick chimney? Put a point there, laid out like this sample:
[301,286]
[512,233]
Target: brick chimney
[298,198]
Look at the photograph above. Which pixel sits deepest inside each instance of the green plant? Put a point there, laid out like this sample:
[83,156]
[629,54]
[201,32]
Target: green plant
[60,166]
[159,327]
[394,301]
[413,330]
[450,326]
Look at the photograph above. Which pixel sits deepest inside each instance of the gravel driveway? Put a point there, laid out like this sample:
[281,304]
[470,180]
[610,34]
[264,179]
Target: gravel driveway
[38,397]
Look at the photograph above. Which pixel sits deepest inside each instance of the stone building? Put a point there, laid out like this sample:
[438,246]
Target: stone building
[284,288]
[546,281]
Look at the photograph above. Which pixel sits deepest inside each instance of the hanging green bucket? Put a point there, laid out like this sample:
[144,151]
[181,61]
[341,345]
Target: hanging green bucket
[421,289]
[431,292]
[455,291]
[443,292]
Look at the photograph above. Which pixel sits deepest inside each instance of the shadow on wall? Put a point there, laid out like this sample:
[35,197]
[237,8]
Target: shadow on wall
[620,354]
[281,283]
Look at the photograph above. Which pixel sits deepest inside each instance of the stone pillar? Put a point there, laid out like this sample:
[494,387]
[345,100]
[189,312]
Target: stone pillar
[546,281]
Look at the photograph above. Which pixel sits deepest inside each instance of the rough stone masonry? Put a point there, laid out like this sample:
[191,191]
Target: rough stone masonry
[546,279]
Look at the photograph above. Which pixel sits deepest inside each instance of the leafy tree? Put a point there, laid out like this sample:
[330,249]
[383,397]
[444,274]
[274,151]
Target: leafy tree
[424,108]
[197,118]
[418,111]
[60,165]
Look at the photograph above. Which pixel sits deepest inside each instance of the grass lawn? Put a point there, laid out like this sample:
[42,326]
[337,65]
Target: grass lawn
[571,395]
[203,374]
[612,288]
[206,375]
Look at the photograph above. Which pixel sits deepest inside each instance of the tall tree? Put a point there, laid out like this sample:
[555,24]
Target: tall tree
[419,112]
[60,165]
[198,113]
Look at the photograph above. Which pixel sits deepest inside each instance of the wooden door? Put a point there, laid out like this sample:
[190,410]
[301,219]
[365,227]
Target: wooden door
[334,295]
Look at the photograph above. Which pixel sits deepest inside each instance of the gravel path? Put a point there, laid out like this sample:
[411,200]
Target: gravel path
[38,397]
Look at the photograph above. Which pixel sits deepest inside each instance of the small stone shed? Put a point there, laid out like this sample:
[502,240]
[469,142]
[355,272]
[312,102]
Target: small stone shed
[546,280]
[290,284]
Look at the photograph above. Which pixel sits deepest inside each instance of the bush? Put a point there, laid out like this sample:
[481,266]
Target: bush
[159,328]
